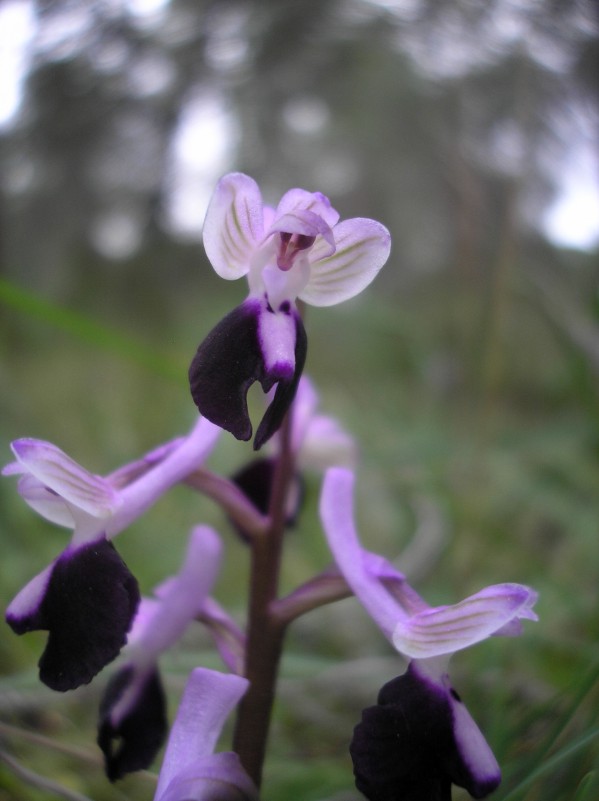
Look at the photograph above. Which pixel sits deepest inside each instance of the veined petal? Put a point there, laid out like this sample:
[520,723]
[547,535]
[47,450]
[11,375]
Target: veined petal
[446,629]
[316,202]
[207,701]
[233,226]
[363,247]
[61,474]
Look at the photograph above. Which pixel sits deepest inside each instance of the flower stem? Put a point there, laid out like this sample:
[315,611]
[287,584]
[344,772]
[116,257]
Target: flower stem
[265,631]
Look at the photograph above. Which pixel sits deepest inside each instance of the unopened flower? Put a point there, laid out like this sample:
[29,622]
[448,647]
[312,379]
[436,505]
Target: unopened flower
[191,771]
[87,598]
[132,724]
[298,250]
[420,738]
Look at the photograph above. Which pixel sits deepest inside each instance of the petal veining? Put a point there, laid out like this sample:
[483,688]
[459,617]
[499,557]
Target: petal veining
[362,248]
[61,474]
[233,226]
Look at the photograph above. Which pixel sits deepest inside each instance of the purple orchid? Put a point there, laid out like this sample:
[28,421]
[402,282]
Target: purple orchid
[87,598]
[298,250]
[420,738]
[191,771]
[133,723]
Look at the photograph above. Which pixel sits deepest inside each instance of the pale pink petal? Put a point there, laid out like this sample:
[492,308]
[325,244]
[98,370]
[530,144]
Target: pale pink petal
[233,227]
[316,202]
[363,247]
[61,474]
[446,629]
[45,502]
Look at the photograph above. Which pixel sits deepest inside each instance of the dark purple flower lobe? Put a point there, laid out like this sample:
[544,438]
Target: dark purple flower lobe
[132,743]
[234,356]
[87,608]
[405,748]
[256,479]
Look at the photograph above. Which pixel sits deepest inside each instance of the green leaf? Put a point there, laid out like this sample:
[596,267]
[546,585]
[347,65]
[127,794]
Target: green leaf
[81,327]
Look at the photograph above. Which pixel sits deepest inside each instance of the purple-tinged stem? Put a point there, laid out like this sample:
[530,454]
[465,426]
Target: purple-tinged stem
[265,631]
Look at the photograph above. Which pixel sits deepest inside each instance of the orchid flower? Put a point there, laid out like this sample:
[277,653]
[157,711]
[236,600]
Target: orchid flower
[420,738]
[298,250]
[191,771]
[133,722]
[87,598]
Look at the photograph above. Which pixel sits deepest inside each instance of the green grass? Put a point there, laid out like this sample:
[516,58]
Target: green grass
[508,469]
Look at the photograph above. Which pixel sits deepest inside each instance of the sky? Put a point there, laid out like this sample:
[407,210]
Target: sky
[572,220]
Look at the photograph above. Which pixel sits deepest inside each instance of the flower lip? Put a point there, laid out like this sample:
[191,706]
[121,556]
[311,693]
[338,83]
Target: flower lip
[251,344]
[132,743]
[419,739]
[86,602]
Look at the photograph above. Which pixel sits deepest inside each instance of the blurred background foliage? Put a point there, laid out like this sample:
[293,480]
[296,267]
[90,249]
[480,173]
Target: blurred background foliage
[468,373]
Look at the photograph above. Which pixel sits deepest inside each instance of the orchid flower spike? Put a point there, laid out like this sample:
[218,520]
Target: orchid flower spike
[419,738]
[298,250]
[191,771]
[133,724]
[87,598]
